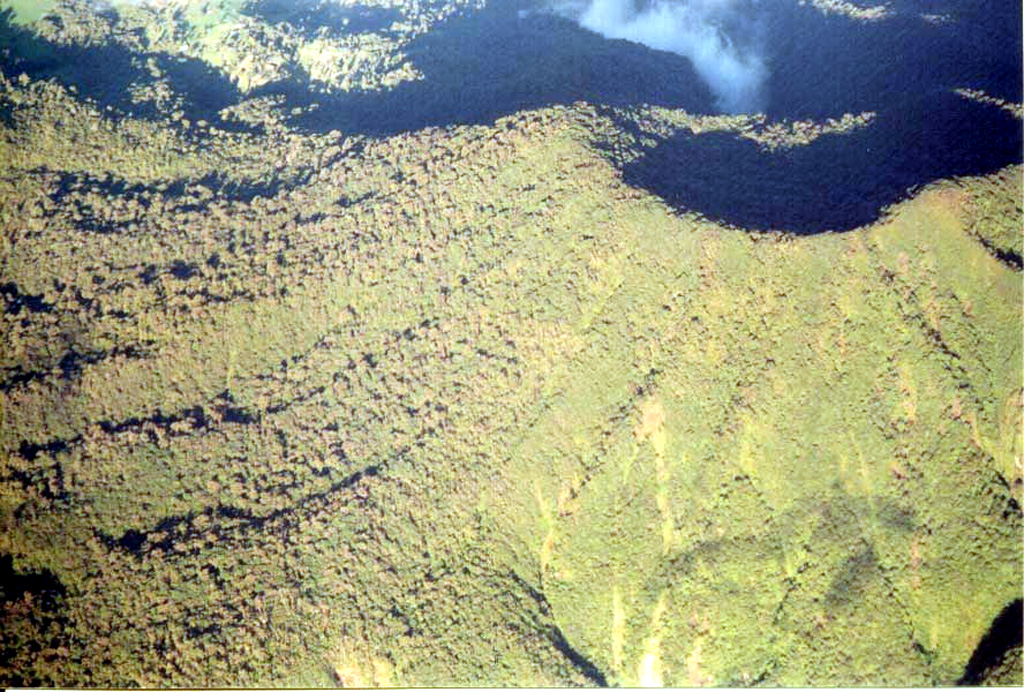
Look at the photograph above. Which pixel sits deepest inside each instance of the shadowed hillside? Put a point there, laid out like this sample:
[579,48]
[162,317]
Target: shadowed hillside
[838,182]
[497,61]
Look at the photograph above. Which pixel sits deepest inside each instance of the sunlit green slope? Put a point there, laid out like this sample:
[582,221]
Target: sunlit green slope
[460,407]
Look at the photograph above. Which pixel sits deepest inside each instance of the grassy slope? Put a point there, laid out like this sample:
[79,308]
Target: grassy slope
[406,420]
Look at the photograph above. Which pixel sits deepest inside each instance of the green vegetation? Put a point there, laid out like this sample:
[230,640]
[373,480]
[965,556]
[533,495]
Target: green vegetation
[28,11]
[461,407]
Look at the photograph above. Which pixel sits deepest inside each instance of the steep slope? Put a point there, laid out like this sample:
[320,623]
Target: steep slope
[461,406]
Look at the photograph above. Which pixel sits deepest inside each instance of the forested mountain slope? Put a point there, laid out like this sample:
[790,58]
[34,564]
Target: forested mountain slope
[482,404]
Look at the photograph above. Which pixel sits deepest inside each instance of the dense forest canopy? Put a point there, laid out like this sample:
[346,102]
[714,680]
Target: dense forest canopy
[510,343]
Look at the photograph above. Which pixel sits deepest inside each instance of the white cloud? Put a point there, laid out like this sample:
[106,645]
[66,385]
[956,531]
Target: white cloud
[720,38]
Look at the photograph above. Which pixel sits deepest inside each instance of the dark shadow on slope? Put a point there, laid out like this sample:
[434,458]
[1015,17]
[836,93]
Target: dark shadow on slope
[103,73]
[824,66]
[205,89]
[554,634]
[1004,635]
[44,586]
[313,17]
[838,182]
[33,622]
[494,63]
[6,112]
[905,70]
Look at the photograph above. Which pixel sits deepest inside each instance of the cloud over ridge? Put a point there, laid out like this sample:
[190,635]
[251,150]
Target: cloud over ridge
[722,38]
